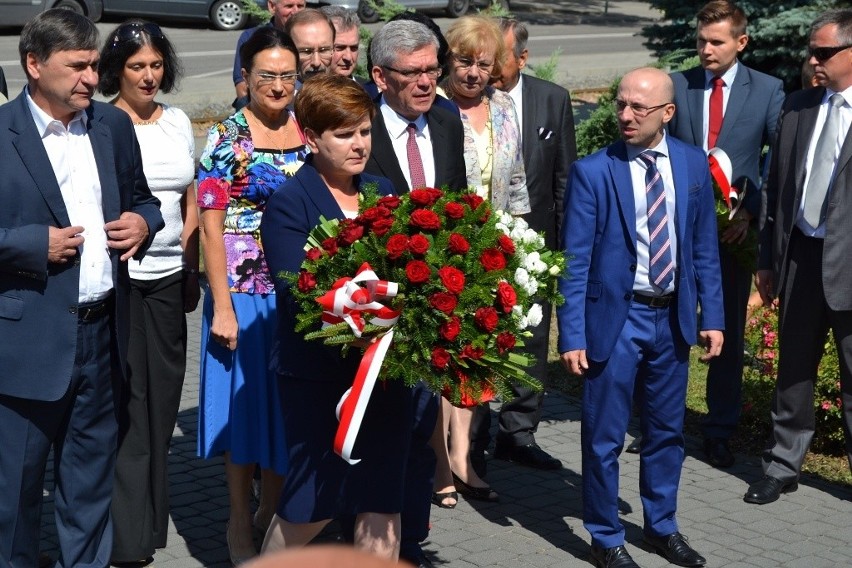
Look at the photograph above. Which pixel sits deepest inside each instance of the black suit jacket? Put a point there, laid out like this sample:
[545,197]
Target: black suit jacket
[447,134]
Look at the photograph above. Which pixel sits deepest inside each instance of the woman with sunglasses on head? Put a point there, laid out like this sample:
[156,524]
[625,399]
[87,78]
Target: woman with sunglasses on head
[247,156]
[495,168]
[137,62]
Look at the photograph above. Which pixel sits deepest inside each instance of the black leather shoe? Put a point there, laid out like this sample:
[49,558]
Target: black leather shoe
[718,453]
[615,557]
[635,446]
[676,549]
[768,489]
[530,455]
[477,460]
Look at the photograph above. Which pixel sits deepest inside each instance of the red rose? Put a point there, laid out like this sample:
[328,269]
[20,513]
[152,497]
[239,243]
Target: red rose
[486,319]
[506,244]
[458,244]
[505,342]
[418,244]
[471,352]
[492,259]
[425,196]
[450,329]
[473,201]
[307,281]
[349,232]
[506,296]
[440,357]
[485,216]
[396,245]
[368,216]
[454,210]
[452,279]
[382,226]
[313,254]
[443,302]
[330,246]
[417,271]
[389,201]
[425,219]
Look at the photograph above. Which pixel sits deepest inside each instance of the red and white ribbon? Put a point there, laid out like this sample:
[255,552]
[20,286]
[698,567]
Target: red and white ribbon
[722,171]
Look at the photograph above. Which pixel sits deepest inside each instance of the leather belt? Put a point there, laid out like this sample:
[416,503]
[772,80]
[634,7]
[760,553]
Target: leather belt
[94,310]
[653,301]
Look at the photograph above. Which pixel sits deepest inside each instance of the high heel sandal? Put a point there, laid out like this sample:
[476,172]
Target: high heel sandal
[438,499]
[477,493]
[237,557]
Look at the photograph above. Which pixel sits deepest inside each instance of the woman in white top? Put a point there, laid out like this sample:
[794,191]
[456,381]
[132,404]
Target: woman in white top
[137,62]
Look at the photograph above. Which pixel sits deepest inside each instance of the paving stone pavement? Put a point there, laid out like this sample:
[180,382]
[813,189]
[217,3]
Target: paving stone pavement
[537,521]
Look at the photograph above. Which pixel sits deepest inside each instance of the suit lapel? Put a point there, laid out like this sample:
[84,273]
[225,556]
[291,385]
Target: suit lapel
[695,103]
[680,177]
[529,134]
[805,123]
[31,150]
[439,147]
[619,169]
[100,136]
[736,102]
[384,156]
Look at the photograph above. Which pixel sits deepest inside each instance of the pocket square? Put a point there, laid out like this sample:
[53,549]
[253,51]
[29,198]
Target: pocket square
[544,133]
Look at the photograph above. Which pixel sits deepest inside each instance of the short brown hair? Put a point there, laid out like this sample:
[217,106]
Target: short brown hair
[327,102]
[308,16]
[720,10]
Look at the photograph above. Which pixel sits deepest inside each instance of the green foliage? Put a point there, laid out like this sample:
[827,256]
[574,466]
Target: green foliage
[759,383]
[255,12]
[387,9]
[497,9]
[601,128]
[547,70]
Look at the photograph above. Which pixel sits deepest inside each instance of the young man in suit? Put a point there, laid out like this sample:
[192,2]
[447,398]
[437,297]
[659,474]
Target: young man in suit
[549,148]
[805,247]
[722,103]
[416,143]
[640,230]
[76,208]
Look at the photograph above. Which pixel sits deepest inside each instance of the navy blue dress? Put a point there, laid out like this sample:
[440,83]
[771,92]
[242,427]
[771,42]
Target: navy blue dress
[312,377]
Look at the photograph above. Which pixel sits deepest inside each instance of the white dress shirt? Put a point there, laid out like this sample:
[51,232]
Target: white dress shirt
[73,161]
[842,131]
[642,282]
[397,126]
[728,77]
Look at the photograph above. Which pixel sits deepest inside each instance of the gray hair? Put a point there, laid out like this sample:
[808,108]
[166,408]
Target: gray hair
[519,30]
[57,30]
[343,18]
[842,18]
[397,38]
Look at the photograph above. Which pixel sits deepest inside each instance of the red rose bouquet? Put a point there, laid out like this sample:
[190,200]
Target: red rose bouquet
[449,280]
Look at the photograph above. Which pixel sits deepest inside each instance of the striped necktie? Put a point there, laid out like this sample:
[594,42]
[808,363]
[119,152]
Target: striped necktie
[661,265]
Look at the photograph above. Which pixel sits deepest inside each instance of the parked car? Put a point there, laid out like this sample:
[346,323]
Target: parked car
[19,12]
[368,15]
[222,14]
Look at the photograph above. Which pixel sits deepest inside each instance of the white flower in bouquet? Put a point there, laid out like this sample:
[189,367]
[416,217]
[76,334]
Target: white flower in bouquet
[531,286]
[534,316]
[533,263]
[522,277]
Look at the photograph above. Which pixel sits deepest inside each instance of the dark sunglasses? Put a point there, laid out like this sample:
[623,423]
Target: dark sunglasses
[135,31]
[826,53]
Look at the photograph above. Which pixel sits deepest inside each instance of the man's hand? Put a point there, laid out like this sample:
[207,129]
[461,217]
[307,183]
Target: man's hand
[763,281]
[737,230]
[127,233]
[62,244]
[712,341]
[575,361]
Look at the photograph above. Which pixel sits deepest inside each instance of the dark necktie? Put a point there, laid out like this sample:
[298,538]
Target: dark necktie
[823,164]
[660,264]
[716,112]
[415,162]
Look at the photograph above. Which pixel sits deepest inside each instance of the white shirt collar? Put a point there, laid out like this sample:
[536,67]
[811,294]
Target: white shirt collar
[728,76]
[43,120]
[396,123]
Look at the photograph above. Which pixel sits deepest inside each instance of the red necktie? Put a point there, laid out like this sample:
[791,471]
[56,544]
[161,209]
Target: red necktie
[415,162]
[715,112]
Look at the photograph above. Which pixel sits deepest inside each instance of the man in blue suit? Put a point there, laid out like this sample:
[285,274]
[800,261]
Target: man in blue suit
[76,207]
[748,107]
[640,232]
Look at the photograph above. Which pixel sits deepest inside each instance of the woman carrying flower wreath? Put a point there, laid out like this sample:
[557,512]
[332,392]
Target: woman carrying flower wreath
[495,168]
[336,115]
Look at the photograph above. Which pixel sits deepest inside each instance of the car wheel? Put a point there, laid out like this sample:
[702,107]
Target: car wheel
[457,8]
[71,5]
[228,15]
[366,13]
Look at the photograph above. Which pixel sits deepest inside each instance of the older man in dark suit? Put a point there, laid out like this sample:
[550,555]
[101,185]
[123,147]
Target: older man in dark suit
[722,103]
[805,251]
[76,208]
[549,148]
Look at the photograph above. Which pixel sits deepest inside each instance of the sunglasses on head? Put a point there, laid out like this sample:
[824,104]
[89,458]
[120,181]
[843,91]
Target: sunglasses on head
[826,53]
[135,31]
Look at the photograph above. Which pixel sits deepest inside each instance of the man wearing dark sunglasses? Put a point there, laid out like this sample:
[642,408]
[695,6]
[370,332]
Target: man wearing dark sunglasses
[722,103]
[805,247]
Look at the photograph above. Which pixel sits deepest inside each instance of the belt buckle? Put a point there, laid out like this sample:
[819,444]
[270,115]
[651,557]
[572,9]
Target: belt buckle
[659,301]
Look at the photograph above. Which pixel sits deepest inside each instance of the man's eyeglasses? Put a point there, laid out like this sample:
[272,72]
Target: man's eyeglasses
[267,78]
[825,53]
[466,63]
[308,52]
[136,31]
[414,74]
[638,110]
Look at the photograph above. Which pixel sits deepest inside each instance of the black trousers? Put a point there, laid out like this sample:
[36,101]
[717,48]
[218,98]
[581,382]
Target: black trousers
[147,414]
